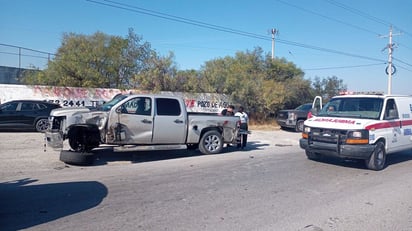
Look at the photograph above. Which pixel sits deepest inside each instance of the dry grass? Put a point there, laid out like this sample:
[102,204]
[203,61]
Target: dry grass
[267,126]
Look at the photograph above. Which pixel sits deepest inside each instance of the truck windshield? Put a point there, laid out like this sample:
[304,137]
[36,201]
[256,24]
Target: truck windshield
[304,107]
[108,105]
[362,107]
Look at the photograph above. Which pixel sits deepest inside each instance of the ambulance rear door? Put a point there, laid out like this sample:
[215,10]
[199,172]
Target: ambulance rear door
[404,108]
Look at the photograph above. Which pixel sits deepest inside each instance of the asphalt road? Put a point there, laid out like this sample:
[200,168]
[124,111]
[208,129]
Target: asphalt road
[268,186]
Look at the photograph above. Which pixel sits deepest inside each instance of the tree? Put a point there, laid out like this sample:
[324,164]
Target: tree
[256,81]
[189,81]
[252,78]
[328,87]
[98,60]
[158,75]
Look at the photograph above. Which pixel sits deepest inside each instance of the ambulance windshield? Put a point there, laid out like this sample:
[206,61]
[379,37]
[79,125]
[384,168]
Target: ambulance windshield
[351,107]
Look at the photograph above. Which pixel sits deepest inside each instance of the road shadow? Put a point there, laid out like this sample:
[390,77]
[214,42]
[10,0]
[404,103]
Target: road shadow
[391,159]
[286,129]
[8,130]
[105,155]
[23,206]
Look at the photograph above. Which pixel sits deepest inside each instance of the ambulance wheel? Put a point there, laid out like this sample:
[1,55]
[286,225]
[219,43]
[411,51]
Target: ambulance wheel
[377,160]
[312,155]
[77,158]
[299,126]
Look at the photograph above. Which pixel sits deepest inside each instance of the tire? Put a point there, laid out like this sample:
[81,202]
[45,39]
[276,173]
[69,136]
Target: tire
[377,160]
[299,126]
[211,142]
[74,144]
[77,146]
[77,158]
[42,125]
[312,155]
[83,139]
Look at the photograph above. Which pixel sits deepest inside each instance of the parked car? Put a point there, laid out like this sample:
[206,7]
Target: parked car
[26,115]
[294,118]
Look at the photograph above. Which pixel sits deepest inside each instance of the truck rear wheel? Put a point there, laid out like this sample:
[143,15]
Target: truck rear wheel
[211,142]
[76,158]
[377,160]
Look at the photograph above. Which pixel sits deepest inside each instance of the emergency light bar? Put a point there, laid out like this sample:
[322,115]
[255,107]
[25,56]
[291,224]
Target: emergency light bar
[361,93]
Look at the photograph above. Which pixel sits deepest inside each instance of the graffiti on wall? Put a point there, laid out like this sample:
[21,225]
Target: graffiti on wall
[91,97]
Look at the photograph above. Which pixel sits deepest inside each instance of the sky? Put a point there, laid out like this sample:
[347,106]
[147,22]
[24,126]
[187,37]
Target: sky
[344,38]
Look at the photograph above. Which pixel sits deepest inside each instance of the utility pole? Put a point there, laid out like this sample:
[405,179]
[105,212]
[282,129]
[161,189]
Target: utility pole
[390,69]
[273,42]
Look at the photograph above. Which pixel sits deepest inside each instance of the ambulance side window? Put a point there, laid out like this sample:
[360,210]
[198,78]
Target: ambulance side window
[391,111]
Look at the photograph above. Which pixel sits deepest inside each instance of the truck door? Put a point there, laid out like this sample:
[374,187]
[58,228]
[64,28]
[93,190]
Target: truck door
[316,107]
[394,128]
[9,115]
[317,103]
[136,119]
[170,125]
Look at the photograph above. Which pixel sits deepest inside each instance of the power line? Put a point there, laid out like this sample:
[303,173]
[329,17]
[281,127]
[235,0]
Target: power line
[402,67]
[402,62]
[342,67]
[141,10]
[358,12]
[328,50]
[327,17]
[136,9]
[365,15]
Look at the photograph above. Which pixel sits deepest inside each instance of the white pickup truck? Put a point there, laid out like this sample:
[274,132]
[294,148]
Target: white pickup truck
[151,121]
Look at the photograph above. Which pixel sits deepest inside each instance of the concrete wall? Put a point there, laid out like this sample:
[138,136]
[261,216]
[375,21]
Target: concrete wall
[80,97]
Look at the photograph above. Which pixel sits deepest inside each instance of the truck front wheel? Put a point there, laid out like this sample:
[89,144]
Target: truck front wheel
[377,160]
[312,155]
[83,138]
[211,142]
[299,126]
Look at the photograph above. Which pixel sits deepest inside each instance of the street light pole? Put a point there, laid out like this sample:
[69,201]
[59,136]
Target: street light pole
[273,43]
[390,69]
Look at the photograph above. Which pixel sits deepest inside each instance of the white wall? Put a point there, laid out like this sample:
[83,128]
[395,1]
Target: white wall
[76,96]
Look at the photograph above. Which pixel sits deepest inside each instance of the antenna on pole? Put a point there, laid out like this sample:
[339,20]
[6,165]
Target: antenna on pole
[274,32]
[390,69]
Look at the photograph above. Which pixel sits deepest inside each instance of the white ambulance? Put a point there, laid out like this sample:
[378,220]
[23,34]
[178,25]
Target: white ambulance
[360,126]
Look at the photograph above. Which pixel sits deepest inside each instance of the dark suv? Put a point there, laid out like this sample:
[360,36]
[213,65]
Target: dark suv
[294,118]
[26,115]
